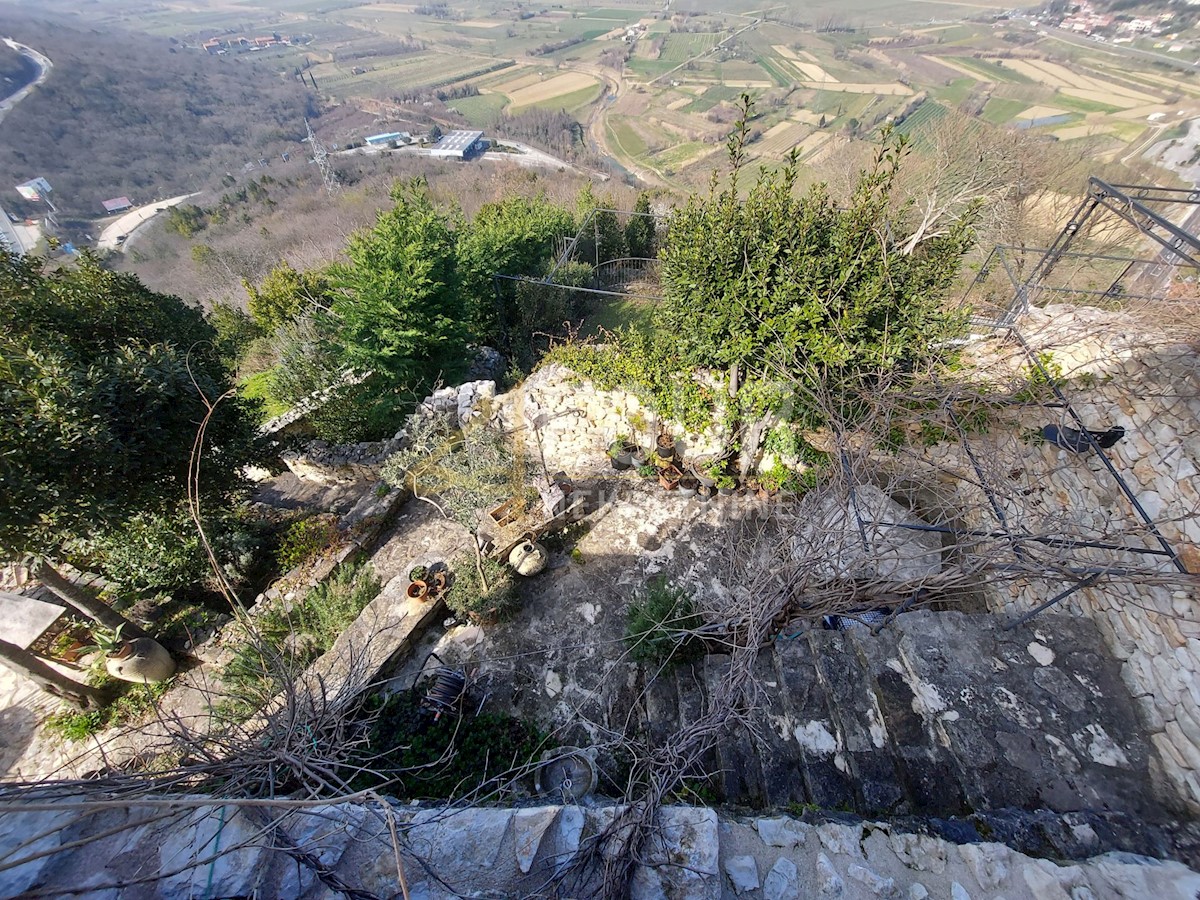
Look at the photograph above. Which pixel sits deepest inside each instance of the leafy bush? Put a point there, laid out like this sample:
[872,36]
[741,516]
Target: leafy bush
[660,624]
[304,539]
[282,642]
[475,469]
[163,552]
[494,599]
[448,758]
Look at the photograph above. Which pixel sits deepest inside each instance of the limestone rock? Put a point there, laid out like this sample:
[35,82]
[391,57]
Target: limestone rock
[829,883]
[743,873]
[876,884]
[841,838]
[987,862]
[958,892]
[781,831]
[920,851]
[781,881]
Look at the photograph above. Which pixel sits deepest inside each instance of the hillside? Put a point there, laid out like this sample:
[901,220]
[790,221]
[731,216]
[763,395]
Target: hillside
[16,71]
[130,114]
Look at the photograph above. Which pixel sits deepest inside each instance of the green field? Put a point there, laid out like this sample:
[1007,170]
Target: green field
[992,71]
[482,110]
[682,47]
[999,111]
[626,139]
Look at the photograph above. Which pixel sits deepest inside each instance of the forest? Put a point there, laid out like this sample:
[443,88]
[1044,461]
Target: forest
[129,114]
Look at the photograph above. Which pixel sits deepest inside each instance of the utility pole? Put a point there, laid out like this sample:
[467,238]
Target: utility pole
[321,158]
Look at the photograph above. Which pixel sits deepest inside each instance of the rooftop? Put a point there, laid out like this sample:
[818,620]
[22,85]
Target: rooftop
[458,141]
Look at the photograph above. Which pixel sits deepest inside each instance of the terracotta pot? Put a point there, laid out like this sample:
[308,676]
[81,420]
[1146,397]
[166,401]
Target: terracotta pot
[417,590]
[669,478]
[142,660]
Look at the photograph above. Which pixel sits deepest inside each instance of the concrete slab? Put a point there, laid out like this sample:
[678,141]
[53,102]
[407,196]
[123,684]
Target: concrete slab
[26,619]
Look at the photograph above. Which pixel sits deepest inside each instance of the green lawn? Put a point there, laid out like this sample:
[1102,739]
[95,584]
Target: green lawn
[620,312]
[991,70]
[626,139]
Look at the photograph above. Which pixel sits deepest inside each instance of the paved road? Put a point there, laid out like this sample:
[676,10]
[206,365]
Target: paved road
[43,63]
[126,224]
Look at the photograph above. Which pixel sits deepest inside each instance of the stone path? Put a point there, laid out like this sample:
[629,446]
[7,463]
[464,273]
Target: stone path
[942,713]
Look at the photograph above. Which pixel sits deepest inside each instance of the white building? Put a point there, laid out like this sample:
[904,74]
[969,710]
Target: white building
[459,144]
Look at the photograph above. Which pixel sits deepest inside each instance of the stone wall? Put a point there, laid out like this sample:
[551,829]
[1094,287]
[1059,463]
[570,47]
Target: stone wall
[575,421]
[204,850]
[347,463]
[1118,375]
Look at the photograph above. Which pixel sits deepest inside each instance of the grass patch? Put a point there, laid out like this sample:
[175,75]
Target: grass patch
[1076,104]
[482,110]
[628,141]
[998,111]
[992,71]
[572,102]
[132,706]
[283,641]
[258,387]
[623,312]
[957,91]
[777,74]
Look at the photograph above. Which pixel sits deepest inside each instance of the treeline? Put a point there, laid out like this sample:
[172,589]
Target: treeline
[554,46]
[188,219]
[128,114]
[413,296]
[556,132]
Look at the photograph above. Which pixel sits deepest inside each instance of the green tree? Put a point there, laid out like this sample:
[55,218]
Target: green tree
[517,236]
[778,283]
[103,384]
[399,304]
[603,238]
[284,295]
[235,332]
[639,230]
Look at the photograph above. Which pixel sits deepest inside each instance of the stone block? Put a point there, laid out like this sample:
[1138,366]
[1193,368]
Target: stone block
[1183,745]
[742,872]
[781,882]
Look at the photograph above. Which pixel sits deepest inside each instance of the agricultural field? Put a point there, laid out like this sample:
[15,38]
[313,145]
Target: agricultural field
[655,88]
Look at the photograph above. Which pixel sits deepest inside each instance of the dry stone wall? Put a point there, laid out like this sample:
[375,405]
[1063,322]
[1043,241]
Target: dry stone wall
[139,853]
[1150,385]
[575,421]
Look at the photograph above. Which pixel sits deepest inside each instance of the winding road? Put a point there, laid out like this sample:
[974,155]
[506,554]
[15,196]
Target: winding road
[44,65]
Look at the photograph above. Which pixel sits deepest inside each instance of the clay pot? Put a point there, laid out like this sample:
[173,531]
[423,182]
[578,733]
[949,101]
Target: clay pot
[417,590]
[669,478]
[528,558]
[142,661]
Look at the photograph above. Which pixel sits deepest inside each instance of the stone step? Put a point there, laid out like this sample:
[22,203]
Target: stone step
[940,714]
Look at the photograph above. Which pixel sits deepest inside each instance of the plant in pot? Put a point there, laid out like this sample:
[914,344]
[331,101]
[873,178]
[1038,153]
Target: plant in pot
[639,457]
[664,449]
[773,479]
[705,493]
[688,487]
[705,472]
[620,452]
[669,478]
[725,484]
[141,660]
[647,471]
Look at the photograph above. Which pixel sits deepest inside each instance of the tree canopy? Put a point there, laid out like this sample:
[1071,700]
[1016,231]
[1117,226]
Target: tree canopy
[103,384]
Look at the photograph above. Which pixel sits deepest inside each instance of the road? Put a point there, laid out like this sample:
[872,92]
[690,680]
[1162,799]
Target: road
[124,225]
[44,65]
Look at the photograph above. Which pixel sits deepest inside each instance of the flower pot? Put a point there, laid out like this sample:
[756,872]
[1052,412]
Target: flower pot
[438,583]
[702,476]
[688,487]
[705,493]
[638,457]
[621,456]
[417,590]
[142,660]
[528,558]
[665,445]
[727,491]
[669,478]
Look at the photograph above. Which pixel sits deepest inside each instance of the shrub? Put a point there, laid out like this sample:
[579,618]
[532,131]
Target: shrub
[493,599]
[448,758]
[304,539]
[660,624]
